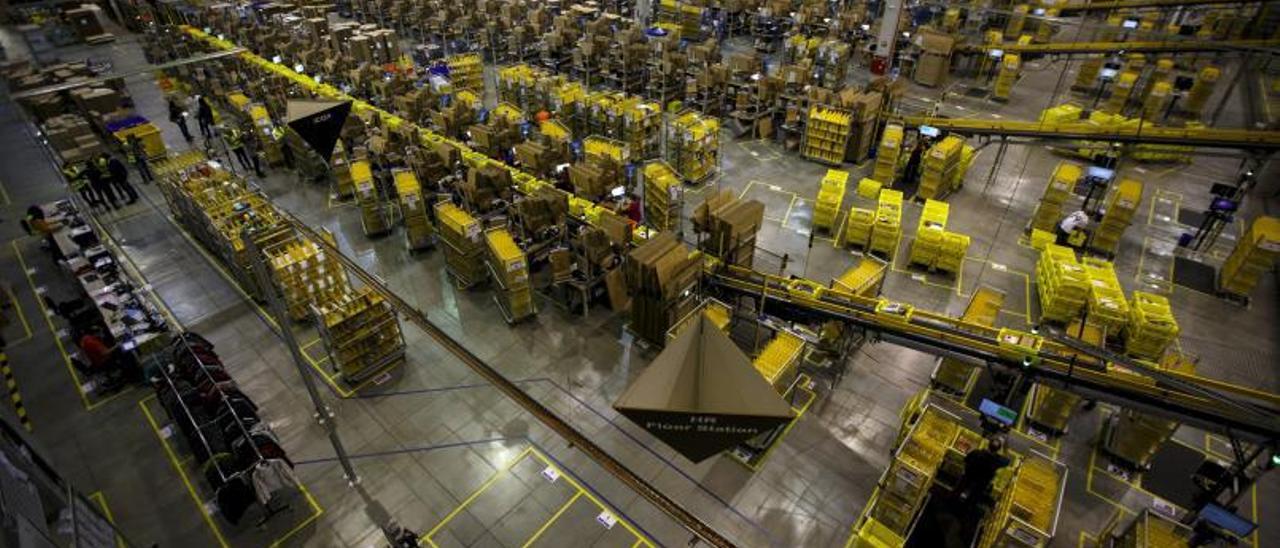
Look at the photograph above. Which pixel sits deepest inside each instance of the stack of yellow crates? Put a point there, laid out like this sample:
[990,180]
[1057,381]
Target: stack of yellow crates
[830,197]
[373,218]
[1252,257]
[939,169]
[911,473]
[466,71]
[887,229]
[693,146]
[1201,90]
[1061,283]
[510,269]
[1087,75]
[857,227]
[1061,114]
[1151,530]
[1010,66]
[1157,97]
[1017,20]
[826,136]
[1061,184]
[663,196]
[951,374]
[1120,92]
[460,233]
[417,226]
[1121,205]
[955,247]
[361,334]
[1027,512]
[929,231]
[886,169]
[306,275]
[780,360]
[1107,304]
[1151,327]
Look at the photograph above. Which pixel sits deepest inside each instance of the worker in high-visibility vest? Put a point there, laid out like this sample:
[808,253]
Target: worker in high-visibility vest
[286,152]
[96,171]
[73,173]
[235,142]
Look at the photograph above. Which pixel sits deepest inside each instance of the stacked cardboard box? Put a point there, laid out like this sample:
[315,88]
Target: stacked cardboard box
[660,275]
[731,225]
[935,58]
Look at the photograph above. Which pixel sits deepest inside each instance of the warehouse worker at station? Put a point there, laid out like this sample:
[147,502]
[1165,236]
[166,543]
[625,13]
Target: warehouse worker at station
[1071,229]
[980,468]
[74,174]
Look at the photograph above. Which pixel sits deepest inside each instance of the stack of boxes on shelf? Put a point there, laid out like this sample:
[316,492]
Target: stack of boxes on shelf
[463,250]
[830,196]
[1151,326]
[886,170]
[660,274]
[1061,184]
[466,71]
[934,247]
[693,146]
[1121,205]
[361,333]
[1061,283]
[663,196]
[417,225]
[510,269]
[827,134]
[887,228]
[731,225]
[306,275]
[373,217]
[1253,256]
[942,169]
[1107,305]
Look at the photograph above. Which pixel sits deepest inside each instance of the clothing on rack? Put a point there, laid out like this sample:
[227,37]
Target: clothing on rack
[271,476]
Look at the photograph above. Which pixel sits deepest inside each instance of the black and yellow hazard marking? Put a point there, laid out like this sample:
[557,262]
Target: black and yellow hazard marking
[14,395]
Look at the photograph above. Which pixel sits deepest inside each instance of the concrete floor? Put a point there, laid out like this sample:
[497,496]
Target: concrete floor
[443,453]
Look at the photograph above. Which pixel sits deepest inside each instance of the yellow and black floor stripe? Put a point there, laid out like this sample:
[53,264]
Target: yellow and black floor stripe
[14,395]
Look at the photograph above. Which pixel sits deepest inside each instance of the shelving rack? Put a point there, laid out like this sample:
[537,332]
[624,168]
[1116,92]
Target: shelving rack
[463,249]
[361,334]
[663,196]
[1121,205]
[305,274]
[830,197]
[510,270]
[466,71]
[693,146]
[418,230]
[373,216]
[1027,513]
[826,135]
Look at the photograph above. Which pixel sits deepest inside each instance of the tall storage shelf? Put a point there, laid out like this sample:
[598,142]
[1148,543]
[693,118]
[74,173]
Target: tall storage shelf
[418,230]
[1027,513]
[886,170]
[830,196]
[1253,256]
[1061,184]
[1121,205]
[463,249]
[510,270]
[663,196]
[373,216]
[693,146]
[826,136]
[305,275]
[942,169]
[466,71]
[1061,283]
[361,334]
[886,229]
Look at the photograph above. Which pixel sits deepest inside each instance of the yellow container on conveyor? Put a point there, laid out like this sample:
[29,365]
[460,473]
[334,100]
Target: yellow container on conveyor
[780,360]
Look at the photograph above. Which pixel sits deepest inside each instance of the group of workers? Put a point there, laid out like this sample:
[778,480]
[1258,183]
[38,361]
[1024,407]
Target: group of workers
[103,181]
[242,142]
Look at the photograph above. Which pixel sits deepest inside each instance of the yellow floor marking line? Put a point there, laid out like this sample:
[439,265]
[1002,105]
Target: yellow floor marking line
[790,205]
[590,496]
[179,467]
[553,519]
[22,318]
[101,499]
[15,395]
[473,496]
[1088,484]
[66,360]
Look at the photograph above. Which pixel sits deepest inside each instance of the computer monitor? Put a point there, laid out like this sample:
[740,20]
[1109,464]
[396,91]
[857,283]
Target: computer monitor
[997,412]
[996,53]
[1226,520]
[1130,24]
[929,131]
[1100,173]
[1223,205]
[1108,73]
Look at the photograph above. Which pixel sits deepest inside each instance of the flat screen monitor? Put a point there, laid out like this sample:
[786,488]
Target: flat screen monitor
[1108,73]
[1130,24]
[996,53]
[1100,173]
[1224,205]
[929,131]
[1227,520]
[997,412]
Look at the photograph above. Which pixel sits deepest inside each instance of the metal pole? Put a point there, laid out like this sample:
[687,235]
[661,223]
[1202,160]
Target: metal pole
[323,414]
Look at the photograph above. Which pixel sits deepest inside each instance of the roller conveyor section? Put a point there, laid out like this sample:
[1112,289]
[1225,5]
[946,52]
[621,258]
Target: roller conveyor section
[1136,4]
[1195,137]
[1140,46]
[1206,403]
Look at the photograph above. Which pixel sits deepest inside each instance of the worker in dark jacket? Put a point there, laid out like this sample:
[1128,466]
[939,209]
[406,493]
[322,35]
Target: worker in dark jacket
[178,116]
[74,173]
[138,155]
[120,178]
[980,467]
[204,116]
[96,173]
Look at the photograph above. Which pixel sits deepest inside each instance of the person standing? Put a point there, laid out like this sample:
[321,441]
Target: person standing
[178,116]
[252,148]
[1069,225]
[980,468]
[138,155]
[96,172]
[74,173]
[120,178]
[204,116]
[235,142]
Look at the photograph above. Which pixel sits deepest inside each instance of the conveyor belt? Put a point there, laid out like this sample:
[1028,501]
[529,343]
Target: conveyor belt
[1167,46]
[1135,4]
[1212,405]
[1245,139]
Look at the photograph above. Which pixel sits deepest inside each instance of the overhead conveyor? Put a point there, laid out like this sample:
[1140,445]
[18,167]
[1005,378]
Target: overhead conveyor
[1244,139]
[1091,372]
[1139,46]
[1138,4]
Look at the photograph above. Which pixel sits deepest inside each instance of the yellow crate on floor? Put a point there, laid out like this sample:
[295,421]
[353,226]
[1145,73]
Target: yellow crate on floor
[830,196]
[780,360]
[1151,327]
[1121,206]
[1061,283]
[886,170]
[857,227]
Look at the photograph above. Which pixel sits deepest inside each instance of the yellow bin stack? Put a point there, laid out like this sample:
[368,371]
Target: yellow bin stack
[1107,305]
[887,229]
[929,232]
[1121,206]
[1120,92]
[780,360]
[830,197]
[1061,184]
[1151,328]
[1201,90]
[941,163]
[886,169]
[1010,66]
[510,269]
[1061,283]
[417,227]
[1253,256]
[857,228]
[827,133]
[463,251]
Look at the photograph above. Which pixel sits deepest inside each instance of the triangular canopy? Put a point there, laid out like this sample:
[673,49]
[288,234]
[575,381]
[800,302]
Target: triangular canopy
[319,123]
[701,395]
